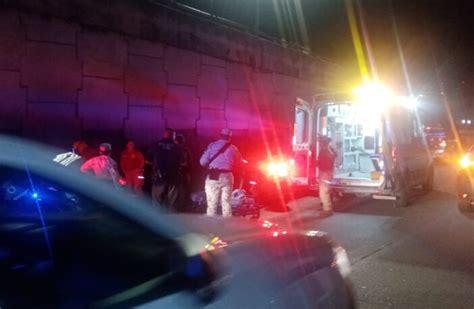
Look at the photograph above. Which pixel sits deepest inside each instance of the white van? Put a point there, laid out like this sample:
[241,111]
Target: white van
[381,149]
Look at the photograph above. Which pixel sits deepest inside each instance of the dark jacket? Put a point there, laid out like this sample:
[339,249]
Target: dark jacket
[166,158]
[187,160]
[326,159]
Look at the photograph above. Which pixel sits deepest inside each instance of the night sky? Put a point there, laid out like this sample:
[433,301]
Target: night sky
[435,37]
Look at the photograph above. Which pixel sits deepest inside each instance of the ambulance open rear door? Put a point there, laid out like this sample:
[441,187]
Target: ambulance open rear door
[301,143]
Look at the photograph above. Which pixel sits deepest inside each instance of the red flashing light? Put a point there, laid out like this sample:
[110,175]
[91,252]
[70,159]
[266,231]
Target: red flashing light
[277,168]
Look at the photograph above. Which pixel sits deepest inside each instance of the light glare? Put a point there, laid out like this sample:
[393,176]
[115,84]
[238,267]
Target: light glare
[466,161]
[278,169]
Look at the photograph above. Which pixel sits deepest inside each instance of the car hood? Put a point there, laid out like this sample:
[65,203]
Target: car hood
[259,264]
[236,229]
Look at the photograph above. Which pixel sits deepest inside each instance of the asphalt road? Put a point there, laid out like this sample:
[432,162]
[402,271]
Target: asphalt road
[421,256]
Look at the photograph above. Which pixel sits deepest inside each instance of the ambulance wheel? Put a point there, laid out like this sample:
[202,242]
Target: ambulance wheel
[402,200]
[402,195]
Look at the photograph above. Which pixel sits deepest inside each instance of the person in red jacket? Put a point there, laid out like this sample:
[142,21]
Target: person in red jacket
[132,163]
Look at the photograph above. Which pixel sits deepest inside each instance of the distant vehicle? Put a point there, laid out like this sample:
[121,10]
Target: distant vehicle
[465,182]
[69,241]
[437,140]
[381,146]
[450,154]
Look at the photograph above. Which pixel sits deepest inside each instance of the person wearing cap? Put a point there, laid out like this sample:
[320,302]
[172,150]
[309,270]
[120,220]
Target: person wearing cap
[103,166]
[326,158]
[166,157]
[220,158]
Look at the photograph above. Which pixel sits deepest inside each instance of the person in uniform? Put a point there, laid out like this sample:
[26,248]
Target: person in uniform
[186,168]
[166,157]
[132,163]
[220,158]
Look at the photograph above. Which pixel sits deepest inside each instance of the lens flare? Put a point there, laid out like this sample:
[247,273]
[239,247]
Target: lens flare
[278,169]
[466,161]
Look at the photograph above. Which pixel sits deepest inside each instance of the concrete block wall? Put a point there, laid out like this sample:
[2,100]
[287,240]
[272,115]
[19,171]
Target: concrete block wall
[62,78]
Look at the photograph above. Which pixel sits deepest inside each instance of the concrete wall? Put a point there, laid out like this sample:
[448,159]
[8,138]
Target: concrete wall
[71,69]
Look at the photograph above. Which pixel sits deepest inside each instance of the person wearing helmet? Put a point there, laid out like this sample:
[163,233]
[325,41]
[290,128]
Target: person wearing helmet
[103,166]
[220,158]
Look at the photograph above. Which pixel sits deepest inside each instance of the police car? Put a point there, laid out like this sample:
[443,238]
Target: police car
[70,241]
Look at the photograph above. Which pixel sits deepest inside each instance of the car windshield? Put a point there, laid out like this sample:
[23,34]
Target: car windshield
[23,195]
[44,223]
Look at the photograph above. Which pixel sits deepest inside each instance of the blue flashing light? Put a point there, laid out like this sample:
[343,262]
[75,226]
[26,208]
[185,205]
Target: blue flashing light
[194,267]
[35,195]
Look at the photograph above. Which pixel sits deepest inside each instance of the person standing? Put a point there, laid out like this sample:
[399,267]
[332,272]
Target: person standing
[165,157]
[185,170]
[220,158]
[103,166]
[326,159]
[132,163]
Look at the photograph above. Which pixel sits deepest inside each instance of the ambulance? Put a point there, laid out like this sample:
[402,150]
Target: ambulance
[381,149]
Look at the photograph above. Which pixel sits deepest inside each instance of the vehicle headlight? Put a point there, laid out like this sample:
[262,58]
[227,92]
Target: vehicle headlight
[341,261]
[466,161]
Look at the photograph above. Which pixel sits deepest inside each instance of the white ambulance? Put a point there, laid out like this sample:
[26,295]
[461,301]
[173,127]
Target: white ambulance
[380,144]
